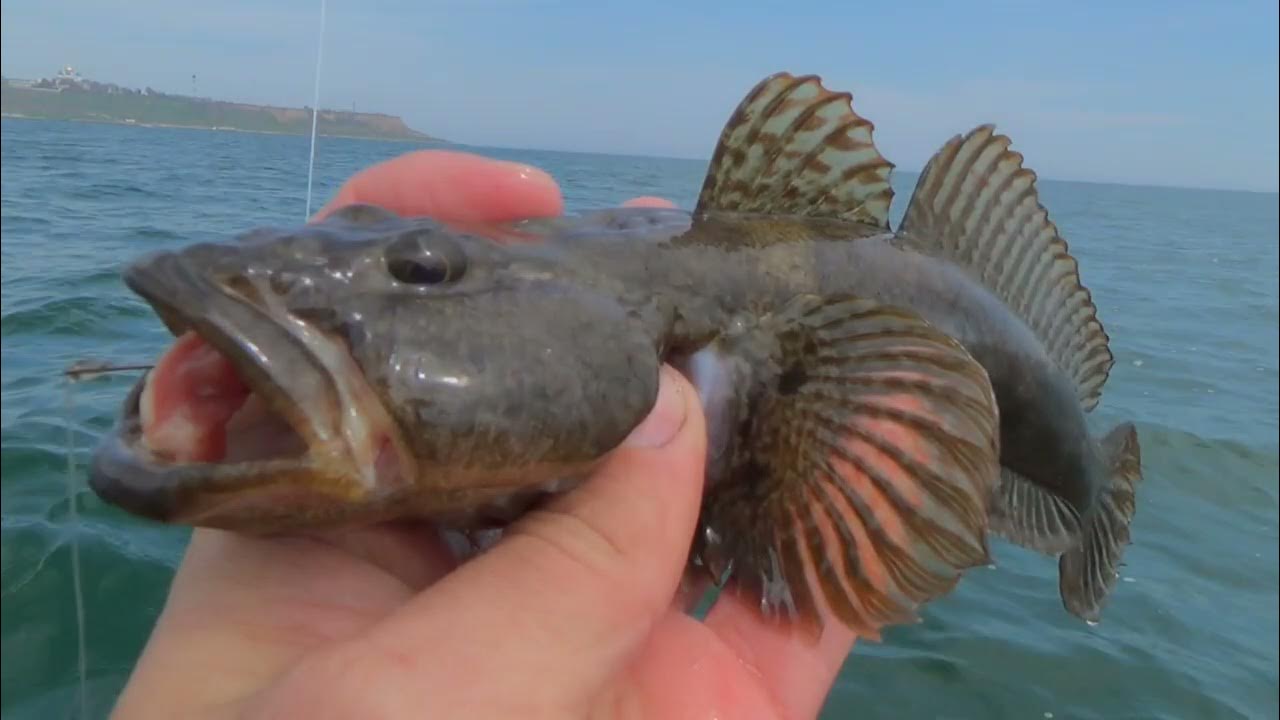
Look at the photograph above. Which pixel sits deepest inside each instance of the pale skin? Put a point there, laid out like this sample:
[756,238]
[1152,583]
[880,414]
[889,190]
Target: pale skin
[577,612]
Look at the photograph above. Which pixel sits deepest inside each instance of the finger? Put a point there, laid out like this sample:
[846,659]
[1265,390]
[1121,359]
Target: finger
[573,588]
[412,552]
[649,201]
[796,670]
[254,605]
[452,186]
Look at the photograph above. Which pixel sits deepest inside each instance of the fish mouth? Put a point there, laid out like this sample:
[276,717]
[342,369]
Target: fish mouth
[254,419]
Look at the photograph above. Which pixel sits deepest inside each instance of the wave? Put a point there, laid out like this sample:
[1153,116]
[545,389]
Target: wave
[69,315]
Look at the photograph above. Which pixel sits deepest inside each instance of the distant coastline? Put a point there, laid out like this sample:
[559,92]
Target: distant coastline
[213,128]
[69,96]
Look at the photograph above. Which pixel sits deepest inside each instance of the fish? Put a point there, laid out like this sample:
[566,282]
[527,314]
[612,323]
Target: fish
[880,402]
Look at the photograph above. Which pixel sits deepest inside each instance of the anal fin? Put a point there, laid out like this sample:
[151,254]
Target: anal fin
[1028,515]
[857,482]
[1088,572]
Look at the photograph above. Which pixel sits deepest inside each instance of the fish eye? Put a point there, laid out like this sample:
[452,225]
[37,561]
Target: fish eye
[424,258]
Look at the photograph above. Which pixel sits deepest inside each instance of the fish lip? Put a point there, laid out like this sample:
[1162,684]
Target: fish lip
[121,470]
[123,474]
[119,475]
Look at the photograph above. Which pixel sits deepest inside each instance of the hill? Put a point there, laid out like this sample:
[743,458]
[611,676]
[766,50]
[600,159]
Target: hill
[71,97]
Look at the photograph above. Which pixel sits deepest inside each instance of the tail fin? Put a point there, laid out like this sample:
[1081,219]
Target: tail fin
[1087,572]
[977,206]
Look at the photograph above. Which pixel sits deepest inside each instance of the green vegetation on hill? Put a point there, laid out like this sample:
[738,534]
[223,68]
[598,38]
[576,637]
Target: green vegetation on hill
[104,102]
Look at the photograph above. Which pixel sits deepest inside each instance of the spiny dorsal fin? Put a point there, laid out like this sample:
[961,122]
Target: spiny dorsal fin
[795,148]
[857,483]
[977,206]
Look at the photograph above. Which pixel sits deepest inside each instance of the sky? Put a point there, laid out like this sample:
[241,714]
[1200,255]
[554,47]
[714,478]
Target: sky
[1144,92]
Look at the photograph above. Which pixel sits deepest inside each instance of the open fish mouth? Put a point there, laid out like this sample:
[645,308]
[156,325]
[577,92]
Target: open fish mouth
[253,419]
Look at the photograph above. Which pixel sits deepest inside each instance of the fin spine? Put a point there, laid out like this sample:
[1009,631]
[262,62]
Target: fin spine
[976,205]
[1088,572]
[862,490]
[794,148]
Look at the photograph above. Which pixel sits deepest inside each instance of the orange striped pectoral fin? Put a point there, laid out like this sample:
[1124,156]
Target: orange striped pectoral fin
[858,488]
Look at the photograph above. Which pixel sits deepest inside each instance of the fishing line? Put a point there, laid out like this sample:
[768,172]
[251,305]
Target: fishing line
[88,369]
[80,371]
[315,109]
[73,518]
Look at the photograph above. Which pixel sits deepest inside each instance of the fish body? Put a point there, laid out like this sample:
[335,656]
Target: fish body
[878,400]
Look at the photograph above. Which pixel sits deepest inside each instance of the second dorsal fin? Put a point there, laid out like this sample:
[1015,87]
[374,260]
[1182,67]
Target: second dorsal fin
[977,206]
[795,148]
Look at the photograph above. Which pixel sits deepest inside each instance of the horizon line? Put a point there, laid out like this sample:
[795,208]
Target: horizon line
[1039,176]
[403,119]
[654,156]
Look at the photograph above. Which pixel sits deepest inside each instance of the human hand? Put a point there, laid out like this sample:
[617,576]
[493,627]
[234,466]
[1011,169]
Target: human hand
[576,612]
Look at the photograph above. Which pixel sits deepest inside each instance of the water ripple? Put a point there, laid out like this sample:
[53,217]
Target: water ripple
[1185,281]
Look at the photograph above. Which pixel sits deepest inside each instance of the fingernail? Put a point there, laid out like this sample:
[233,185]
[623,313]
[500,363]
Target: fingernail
[666,418]
[648,201]
[529,172]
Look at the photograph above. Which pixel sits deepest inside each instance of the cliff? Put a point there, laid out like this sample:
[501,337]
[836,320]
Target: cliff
[79,99]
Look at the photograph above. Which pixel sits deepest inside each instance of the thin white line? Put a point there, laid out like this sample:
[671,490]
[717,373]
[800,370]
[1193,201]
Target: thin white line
[77,588]
[315,109]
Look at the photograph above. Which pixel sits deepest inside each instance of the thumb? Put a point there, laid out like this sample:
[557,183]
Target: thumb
[575,587]
[622,540]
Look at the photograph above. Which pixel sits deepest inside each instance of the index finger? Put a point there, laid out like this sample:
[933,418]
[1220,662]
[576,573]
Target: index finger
[453,187]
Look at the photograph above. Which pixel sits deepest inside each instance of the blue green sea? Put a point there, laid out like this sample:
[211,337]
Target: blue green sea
[1185,281]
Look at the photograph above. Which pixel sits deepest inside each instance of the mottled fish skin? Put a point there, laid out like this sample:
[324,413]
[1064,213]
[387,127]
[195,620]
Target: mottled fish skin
[878,401]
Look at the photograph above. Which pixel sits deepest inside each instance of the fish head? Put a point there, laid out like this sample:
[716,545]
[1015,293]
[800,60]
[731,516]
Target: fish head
[372,366]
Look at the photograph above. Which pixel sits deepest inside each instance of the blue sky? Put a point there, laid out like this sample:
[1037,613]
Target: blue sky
[1178,93]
